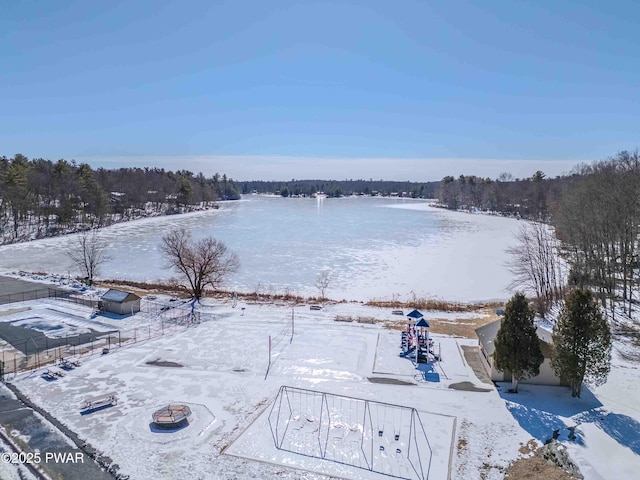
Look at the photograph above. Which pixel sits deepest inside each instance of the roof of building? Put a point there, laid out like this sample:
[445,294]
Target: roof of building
[487,334]
[415,314]
[119,296]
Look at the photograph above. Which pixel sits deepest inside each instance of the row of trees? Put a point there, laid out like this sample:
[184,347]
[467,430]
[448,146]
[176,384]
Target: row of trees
[39,197]
[586,229]
[581,342]
[598,222]
[527,198]
[339,188]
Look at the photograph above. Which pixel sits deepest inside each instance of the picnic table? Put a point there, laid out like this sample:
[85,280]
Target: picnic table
[104,400]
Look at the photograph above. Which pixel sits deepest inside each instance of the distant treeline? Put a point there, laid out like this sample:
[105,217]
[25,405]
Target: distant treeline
[595,212]
[339,188]
[528,197]
[40,198]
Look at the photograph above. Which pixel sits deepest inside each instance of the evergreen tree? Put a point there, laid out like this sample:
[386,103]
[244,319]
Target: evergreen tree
[582,342]
[517,348]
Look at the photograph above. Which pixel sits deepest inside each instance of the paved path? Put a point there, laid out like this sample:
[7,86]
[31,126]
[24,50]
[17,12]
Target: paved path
[472,356]
[15,415]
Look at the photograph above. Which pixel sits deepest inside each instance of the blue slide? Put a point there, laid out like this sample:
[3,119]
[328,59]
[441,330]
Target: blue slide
[404,354]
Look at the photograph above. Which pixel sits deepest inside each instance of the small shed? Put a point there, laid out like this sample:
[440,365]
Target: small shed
[120,302]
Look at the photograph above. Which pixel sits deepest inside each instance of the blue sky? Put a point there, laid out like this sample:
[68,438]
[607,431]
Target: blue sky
[344,89]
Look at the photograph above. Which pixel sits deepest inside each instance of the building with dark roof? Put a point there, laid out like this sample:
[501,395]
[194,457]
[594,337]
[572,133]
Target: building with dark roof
[120,302]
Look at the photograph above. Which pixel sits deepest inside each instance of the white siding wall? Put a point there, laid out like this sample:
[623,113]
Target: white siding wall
[546,376]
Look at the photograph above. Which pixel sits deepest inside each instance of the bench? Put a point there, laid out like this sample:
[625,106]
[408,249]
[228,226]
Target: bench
[100,401]
[366,320]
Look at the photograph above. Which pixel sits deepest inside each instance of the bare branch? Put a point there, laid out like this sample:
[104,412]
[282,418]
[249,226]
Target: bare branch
[204,263]
[87,253]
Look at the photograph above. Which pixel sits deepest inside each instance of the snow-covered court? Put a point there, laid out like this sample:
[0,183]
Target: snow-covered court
[335,399]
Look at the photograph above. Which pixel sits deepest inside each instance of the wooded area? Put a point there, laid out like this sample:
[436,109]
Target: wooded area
[40,198]
[594,213]
[339,188]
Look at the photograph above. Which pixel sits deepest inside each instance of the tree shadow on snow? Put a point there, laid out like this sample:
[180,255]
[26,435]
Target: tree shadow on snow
[622,428]
[541,410]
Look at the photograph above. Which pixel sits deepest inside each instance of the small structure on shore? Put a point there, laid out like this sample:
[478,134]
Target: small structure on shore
[120,302]
[486,338]
[171,416]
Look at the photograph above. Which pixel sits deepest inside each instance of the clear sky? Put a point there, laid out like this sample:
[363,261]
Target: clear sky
[407,90]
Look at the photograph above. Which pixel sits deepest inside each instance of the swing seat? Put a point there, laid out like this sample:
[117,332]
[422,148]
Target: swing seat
[397,437]
[380,432]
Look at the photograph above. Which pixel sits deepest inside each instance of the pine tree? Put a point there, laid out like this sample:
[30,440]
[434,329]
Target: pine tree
[582,342]
[517,347]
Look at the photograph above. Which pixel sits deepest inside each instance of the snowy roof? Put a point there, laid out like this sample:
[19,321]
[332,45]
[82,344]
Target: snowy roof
[119,296]
[415,314]
[487,334]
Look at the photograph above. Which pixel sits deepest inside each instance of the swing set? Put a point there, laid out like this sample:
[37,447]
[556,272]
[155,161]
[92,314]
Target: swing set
[351,431]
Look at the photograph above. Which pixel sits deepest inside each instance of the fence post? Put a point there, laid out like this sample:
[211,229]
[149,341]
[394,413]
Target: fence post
[269,364]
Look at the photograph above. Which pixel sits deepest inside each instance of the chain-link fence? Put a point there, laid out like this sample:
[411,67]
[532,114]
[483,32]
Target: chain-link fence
[155,319]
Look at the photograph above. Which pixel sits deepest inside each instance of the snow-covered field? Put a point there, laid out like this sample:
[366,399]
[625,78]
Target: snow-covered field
[220,371]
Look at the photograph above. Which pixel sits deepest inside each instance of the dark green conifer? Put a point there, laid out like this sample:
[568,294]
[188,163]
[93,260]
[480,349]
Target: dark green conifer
[517,347]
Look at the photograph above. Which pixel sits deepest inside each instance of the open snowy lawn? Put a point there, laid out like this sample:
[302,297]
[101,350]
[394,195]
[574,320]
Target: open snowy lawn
[219,370]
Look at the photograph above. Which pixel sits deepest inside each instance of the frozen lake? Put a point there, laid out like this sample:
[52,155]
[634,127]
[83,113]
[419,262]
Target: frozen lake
[374,248]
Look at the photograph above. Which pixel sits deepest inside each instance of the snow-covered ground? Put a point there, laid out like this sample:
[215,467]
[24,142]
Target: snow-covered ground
[220,371]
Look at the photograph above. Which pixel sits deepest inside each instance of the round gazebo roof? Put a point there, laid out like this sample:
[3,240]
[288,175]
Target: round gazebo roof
[171,415]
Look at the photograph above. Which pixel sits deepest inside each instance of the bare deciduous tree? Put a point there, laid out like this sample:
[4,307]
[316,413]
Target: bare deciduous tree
[536,265]
[202,263]
[88,253]
[323,281]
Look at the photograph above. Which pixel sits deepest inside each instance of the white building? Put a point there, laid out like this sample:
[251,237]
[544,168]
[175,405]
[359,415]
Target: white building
[486,337]
[120,302]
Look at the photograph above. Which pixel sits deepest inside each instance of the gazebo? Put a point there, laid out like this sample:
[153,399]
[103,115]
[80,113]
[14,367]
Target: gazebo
[171,416]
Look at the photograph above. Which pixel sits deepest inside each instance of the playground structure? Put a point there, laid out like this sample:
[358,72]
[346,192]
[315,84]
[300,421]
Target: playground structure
[412,340]
[172,416]
[415,341]
[380,437]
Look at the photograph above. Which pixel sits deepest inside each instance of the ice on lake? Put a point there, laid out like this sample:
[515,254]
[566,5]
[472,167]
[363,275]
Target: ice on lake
[373,247]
